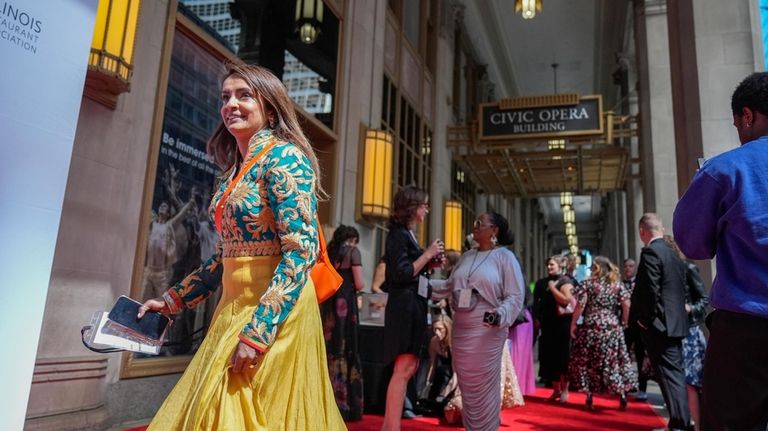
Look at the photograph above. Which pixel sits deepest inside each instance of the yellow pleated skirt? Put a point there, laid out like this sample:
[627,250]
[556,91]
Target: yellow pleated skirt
[289,390]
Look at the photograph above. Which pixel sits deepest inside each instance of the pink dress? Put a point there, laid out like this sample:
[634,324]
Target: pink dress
[521,349]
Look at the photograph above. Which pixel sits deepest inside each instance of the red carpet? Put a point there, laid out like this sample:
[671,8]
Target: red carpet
[538,414]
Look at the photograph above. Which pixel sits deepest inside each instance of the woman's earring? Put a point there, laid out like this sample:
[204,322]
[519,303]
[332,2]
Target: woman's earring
[494,240]
[749,124]
[271,122]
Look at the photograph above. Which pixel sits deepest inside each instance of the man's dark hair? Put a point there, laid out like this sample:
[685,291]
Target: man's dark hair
[751,93]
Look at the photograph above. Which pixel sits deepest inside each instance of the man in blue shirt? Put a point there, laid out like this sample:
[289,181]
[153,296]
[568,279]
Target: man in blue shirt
[724,213]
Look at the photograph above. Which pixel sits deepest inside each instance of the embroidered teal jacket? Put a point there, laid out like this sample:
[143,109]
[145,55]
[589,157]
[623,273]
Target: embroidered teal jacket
[272,211]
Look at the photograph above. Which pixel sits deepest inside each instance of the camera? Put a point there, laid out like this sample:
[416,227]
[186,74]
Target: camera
[491,318]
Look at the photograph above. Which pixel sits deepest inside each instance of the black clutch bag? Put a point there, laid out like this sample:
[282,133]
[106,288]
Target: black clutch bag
[151,325]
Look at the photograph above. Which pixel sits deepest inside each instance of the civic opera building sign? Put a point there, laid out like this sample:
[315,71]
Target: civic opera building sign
[561,115]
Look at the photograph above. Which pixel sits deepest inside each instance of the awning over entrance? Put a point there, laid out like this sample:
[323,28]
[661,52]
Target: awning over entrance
[535,173]
[544,145]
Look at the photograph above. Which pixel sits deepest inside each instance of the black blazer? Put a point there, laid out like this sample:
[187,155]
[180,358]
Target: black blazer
[400,254]
[658,300]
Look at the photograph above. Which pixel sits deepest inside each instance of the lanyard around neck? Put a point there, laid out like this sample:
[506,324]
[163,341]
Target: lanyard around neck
[473,268]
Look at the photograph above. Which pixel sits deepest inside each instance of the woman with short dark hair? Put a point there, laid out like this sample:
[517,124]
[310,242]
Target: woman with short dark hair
[552,315]
[405,327]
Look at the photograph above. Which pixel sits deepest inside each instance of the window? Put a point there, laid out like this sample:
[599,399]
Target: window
[184,181]
[272,42]
[430,45]
[412,21]
[215,14]
[413,143]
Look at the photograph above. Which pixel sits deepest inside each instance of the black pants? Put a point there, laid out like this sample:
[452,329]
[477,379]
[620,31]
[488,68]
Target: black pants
[666,356]
[635,344]
[735,388]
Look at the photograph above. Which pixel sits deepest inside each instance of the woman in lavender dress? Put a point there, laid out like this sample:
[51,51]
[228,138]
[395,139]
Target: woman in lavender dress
[487,293]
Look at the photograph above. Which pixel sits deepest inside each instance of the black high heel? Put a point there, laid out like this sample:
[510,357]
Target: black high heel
[555,396]
[590,406]
[623,402]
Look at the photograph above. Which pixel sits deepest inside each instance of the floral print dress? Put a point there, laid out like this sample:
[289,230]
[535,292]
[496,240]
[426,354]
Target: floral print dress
[600,362]
[340,329]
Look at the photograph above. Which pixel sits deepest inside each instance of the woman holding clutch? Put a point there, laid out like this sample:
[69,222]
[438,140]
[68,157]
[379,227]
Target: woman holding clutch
[266,330]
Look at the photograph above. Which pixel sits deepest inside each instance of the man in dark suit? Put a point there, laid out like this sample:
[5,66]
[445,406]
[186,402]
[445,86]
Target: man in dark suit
[632,332]
[658,310]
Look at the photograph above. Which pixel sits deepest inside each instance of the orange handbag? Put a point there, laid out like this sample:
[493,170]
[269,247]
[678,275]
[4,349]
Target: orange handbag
[327,281]
[324,276]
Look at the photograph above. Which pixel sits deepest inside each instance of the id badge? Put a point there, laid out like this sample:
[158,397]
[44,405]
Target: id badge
[423,287]
[465,298]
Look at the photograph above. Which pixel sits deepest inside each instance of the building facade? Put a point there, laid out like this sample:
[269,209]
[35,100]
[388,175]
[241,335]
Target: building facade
[418,70]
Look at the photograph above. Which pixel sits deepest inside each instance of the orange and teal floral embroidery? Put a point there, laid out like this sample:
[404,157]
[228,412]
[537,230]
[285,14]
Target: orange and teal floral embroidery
[270,212]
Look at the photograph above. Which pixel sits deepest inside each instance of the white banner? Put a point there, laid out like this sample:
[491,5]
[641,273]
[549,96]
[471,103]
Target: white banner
[44,49]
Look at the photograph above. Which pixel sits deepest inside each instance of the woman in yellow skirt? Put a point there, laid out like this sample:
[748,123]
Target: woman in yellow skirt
[262,365]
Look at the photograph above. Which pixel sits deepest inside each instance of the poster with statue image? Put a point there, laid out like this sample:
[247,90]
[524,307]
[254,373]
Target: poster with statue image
[181,234]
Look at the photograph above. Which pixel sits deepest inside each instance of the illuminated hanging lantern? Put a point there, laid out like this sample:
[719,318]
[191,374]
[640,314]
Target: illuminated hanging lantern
[309,18]
[566,199]
[377,174]
[527,8]
[110,63]
[569,216]
[453,234]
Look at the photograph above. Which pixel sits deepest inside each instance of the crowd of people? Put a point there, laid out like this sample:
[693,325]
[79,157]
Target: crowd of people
[268,328]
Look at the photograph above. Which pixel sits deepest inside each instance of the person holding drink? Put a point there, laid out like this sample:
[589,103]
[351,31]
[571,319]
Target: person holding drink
[407,267]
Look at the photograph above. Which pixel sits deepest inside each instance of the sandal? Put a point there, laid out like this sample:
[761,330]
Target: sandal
[555,396]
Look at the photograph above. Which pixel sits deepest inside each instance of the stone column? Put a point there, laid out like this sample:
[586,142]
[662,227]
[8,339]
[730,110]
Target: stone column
[657,151]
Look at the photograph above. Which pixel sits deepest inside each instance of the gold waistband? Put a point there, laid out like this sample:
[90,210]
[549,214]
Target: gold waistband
[251,248]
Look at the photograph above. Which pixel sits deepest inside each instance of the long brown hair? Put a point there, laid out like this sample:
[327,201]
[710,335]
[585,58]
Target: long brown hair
[608,269]
[277,105]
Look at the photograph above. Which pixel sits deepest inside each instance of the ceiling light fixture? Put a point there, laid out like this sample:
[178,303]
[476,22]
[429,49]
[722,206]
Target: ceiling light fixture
[569,216]
[309,18]
[528,8]
[556,144]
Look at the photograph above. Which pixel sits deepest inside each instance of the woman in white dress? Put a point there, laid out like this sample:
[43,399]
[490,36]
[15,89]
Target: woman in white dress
[487,293]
